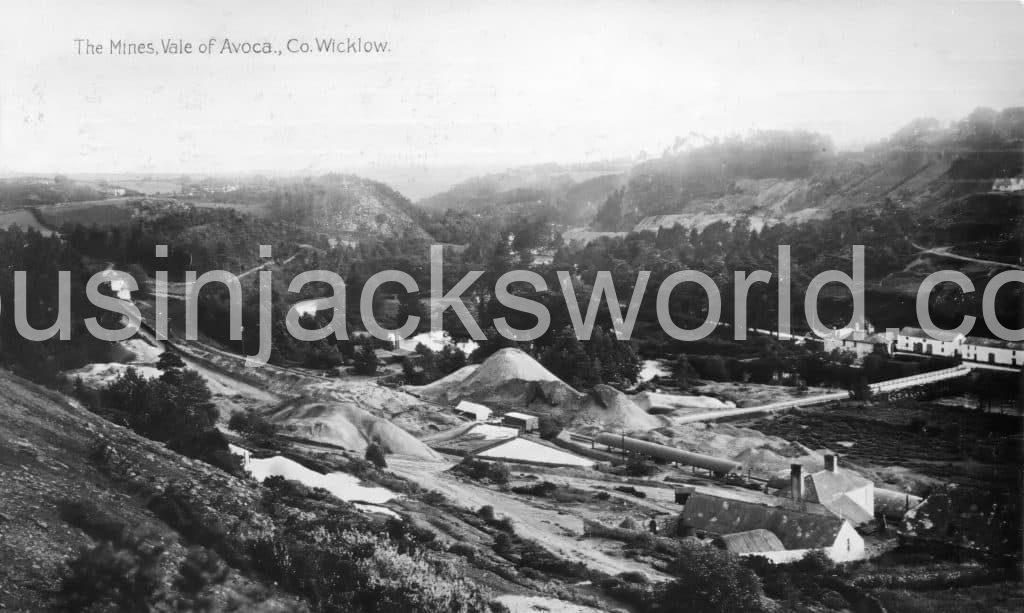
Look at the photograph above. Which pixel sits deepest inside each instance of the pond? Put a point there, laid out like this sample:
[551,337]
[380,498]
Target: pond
[342,485]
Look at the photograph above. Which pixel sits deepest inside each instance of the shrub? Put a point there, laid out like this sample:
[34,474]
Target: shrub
[638,467]
[502,543]
[633,576]
[498,472]
[89,518]
[711,581]
[170,360]
[548,428]
[200,570]
[366,360]
[433,498]
[486,513]
[464,550]
[542,489]
[375,455]
[123,576]
[254,427]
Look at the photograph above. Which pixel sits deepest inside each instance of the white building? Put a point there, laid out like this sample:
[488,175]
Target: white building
[991,351]
[916,340]
[969,348]
[472,410]
[844,493]
[523,421]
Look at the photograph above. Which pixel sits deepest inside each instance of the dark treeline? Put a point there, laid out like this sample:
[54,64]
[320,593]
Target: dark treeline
[41,258]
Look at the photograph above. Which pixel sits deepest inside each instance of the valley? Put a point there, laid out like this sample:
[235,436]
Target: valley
[560,473]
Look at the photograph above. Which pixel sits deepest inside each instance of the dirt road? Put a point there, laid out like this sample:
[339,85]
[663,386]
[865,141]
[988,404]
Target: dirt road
[553,529]
[946,253]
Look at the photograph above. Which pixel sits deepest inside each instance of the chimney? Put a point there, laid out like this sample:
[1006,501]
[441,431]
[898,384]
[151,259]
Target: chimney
[796,481]
[830,462]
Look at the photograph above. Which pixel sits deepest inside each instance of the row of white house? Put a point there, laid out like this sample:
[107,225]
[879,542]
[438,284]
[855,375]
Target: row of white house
[863,341]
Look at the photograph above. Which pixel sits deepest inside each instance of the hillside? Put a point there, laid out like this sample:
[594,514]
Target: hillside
[342,207]
[767,177]
[576,191]
[773,177]
[48,463]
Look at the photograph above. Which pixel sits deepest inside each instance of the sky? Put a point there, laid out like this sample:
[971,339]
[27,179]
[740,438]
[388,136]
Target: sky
[481,84]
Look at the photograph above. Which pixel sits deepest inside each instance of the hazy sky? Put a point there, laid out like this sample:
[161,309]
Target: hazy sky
[482,83]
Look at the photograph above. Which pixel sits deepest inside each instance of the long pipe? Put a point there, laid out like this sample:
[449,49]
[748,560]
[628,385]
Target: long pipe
[671,454]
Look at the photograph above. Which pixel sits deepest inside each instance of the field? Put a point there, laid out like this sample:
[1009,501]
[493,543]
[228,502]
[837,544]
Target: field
[23,218]
[934,441]
[113,212]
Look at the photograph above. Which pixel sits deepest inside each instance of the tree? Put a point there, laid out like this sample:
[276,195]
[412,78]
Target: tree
[375,455]
[366,360]
[170,360]
[709,580]
[684,371]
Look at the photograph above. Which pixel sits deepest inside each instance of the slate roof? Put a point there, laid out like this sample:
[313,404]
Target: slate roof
[825,485]
[848,509]
[751,541]
[795,529]
[978,341]
[829,488]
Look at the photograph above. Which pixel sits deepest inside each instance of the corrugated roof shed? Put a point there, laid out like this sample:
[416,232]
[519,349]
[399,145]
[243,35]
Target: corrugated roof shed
[751,541]
[796,529]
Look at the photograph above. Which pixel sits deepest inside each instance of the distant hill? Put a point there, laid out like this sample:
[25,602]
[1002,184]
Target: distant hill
[577,190]
[772,177]
[344,207]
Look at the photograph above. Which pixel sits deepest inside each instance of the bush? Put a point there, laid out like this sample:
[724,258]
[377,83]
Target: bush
[124,576]
[486,513]
[375,455]
[464,550]
[433,498]
[638,467]
[502,543]
[542,489]
[366,360]
[498,472]
[254,427]
[711,581]
[548,428]
[89,518]
[200,570]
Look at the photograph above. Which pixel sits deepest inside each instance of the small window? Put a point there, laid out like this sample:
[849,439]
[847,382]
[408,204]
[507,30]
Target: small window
[847,544]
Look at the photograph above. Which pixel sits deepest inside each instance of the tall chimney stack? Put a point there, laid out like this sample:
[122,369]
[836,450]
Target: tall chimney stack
[831,462]
[796,481]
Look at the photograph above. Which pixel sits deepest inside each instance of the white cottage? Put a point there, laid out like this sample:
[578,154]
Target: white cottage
[916,340]
[991,351]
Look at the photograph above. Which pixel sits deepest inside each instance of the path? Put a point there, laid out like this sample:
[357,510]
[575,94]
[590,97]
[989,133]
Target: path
[556,531]
[946,253]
